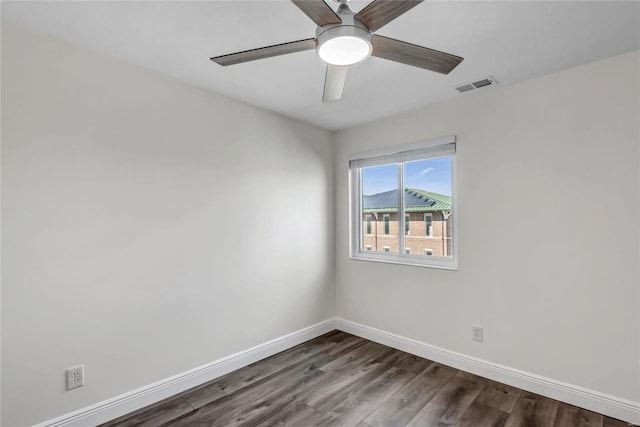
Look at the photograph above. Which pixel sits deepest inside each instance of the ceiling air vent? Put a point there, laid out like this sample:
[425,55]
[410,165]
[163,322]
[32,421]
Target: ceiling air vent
[466,87]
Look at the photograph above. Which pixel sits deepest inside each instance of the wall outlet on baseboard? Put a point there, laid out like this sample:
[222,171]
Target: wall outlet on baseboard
[75,377]
[476,333]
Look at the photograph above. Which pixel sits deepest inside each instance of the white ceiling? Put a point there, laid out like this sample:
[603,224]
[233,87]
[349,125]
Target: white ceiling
[510,40]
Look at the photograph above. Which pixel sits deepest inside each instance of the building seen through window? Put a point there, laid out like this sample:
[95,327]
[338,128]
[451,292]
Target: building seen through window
[427,223]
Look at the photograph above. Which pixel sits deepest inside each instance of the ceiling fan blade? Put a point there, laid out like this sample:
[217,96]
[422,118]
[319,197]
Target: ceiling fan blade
[411,54]
[319,12]
[265,52]
[380,12]
[334,82]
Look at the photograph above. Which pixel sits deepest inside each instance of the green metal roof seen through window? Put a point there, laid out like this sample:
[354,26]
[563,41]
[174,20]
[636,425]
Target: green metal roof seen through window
[415,201]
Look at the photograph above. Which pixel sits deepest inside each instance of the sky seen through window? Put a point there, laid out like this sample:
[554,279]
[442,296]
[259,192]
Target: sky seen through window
[430,175]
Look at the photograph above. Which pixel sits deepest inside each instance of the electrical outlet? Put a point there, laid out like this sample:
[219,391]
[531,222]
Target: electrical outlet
[75,377]
[476,333]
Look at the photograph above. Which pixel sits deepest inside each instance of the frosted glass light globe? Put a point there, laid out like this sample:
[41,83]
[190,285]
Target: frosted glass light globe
[344,50]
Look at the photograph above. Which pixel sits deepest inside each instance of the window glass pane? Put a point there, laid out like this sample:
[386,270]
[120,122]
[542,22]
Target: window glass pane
[427,202]
[380,202]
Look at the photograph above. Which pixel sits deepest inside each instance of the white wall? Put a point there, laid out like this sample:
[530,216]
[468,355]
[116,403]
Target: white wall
[549,208]
[176,223]
[148,227]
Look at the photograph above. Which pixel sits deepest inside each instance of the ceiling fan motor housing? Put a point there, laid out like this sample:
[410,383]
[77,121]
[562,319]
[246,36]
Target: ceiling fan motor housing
[351,30]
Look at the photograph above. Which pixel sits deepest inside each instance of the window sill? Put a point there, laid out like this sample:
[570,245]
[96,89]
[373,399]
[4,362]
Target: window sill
[407,260]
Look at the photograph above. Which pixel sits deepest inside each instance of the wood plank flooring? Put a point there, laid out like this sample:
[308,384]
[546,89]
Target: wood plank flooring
[345,381]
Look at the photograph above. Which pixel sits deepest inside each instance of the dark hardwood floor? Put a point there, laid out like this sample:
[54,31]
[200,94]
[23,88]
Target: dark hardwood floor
[342,380]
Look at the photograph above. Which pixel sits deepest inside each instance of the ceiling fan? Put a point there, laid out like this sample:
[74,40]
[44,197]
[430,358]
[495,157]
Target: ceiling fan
[345,38]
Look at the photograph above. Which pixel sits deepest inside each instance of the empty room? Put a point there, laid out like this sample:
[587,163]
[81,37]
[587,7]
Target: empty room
[348,213]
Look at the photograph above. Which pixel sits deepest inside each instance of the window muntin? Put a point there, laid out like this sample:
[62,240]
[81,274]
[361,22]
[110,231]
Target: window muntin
[426,176]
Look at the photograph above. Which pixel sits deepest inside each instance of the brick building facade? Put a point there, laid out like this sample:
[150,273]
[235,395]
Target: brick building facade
[428,222]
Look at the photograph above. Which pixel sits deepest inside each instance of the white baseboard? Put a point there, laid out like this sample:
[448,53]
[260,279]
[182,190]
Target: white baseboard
[144,396]
[589,399]
[120,405]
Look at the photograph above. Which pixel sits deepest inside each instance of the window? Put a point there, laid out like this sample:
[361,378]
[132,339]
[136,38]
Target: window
[399,187]
[368,247]
[368,224]
[428,225]
[386,220]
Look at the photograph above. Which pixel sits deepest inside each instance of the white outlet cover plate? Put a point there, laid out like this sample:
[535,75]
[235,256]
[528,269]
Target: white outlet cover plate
[75,377]
[476,333]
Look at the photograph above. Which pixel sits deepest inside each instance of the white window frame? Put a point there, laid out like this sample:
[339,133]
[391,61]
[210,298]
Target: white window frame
[433,148]
[428,250]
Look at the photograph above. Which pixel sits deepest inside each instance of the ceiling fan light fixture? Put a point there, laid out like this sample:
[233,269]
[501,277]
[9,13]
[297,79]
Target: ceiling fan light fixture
[345,50]
[344,45]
